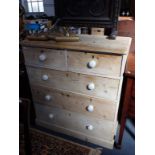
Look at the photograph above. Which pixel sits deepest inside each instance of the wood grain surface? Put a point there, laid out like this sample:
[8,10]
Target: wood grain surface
[103,109]
[77,122]
[89,43]
[74,82]
[106,65]
[55,59]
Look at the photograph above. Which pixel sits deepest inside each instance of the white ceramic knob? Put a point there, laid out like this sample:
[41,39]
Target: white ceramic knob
[45,77]
[89,127]
[51,116]
[42,57]
[90,108]
[92,64]
[48,97]
[91,86]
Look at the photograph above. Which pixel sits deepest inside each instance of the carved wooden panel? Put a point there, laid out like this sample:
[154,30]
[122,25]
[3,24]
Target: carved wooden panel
[96,13]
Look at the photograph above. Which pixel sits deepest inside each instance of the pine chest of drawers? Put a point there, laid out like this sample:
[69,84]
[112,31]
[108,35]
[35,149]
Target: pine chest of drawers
[76,86]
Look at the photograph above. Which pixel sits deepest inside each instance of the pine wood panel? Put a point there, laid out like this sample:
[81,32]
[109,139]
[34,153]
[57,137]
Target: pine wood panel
[75,82]
[76,134]
[87,43]
[106,65]
[68,77]
[55,59]
[97,31]
[76,122]
[103,109]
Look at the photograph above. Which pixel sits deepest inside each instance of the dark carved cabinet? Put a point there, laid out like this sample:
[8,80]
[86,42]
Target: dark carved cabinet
[96,13]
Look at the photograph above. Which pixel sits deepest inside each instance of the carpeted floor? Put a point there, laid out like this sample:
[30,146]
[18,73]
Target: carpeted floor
[128,143]
[47,144]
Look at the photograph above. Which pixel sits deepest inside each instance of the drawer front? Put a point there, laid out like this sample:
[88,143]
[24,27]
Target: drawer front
[77,122]
[101,64]
[103,109]
[50,58]
[74,82]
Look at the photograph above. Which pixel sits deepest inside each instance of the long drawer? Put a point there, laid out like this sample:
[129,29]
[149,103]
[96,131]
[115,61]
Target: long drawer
[89,106]
[49,58]
[91,63]
[77,122]
[75,82]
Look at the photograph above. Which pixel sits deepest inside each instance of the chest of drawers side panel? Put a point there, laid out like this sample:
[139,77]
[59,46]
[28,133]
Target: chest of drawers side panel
[120,86]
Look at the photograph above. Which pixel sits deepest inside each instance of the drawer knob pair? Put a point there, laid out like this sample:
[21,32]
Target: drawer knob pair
[42,57]
[90,108]
[91,86]
[92,64]
[48,97]
[89,127]
[45,77]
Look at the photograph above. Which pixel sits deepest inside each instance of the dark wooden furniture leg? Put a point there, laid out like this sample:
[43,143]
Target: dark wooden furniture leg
[126,101]
[24,108]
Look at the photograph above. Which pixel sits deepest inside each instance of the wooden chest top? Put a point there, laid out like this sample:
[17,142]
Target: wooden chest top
[89,43]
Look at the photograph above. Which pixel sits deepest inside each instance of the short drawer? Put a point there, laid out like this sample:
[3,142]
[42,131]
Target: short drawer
[76,122]
[103,109]
[91,63]
[75,82]
[50,58]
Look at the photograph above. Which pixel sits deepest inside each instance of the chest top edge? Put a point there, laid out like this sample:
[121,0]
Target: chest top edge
[87,43]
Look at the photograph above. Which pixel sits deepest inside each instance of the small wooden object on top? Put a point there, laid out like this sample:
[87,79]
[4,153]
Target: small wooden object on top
[97,31]
[52,37]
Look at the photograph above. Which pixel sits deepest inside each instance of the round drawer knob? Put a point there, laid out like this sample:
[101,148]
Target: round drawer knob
[42,57]
[51,116]
[48,97]
[92,64]
[45,77]
[91,86]
[90,108]
[89,127]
